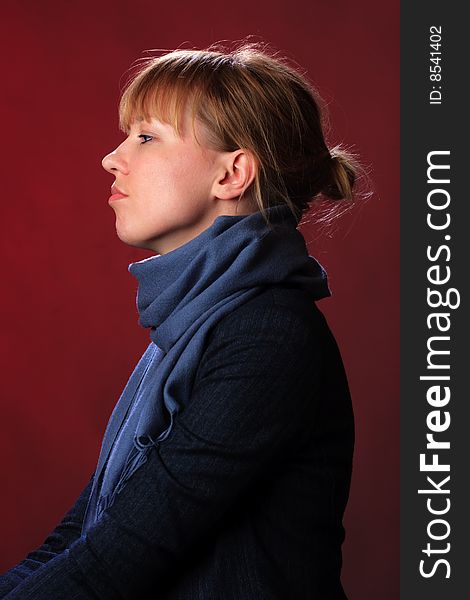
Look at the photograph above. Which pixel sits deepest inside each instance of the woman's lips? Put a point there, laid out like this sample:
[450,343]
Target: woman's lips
[116,197]
[116,193]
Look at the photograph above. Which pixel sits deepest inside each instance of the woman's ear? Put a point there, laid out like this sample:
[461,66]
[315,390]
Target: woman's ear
[237,171]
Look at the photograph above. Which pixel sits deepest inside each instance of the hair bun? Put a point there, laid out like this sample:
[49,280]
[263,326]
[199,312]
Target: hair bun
[343,173]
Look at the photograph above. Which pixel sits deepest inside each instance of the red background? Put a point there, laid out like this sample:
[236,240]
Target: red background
[69,332]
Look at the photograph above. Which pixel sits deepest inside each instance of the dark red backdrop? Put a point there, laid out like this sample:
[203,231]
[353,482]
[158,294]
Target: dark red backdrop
[69,333]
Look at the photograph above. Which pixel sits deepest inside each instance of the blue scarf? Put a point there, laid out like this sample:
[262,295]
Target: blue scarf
[181,296]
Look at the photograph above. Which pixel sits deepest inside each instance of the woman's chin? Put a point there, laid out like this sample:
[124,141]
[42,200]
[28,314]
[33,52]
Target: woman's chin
[131,240]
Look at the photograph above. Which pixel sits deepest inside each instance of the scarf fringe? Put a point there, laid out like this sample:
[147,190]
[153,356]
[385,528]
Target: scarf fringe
[137,457]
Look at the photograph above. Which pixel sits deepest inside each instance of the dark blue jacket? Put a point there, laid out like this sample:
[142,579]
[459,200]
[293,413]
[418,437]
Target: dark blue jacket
[244,499]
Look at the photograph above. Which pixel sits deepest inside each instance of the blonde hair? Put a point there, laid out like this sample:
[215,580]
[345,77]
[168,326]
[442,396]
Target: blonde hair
[248,98]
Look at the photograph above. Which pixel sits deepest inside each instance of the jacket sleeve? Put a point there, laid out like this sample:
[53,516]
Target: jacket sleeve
[62,537]
[251,395]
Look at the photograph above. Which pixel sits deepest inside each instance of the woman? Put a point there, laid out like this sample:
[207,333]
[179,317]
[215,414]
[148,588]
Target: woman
[225,467]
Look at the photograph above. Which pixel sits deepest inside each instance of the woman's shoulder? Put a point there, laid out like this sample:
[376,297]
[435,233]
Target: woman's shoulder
[278,332]
[277,309]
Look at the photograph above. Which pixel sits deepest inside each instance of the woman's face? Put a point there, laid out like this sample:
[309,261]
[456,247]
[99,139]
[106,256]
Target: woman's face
[168,186]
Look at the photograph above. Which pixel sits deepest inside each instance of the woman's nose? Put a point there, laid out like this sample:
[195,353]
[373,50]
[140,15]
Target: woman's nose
[114,161]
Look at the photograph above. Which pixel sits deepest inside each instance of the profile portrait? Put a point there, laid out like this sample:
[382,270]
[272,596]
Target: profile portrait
[188,370]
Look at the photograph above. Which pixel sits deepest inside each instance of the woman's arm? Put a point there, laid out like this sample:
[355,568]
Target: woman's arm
[251,395]
[63,536]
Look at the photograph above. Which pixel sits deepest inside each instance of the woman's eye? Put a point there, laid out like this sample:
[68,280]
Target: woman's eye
[144,135]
